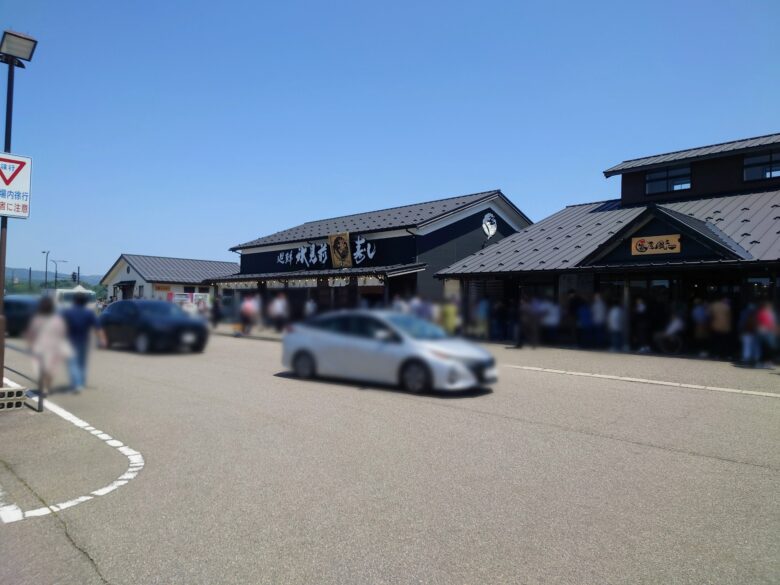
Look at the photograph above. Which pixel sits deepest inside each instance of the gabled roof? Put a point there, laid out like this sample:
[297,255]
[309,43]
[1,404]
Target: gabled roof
[707,234]
[691,154]
[175,270]
[708,231]
[749,224]
[405,216]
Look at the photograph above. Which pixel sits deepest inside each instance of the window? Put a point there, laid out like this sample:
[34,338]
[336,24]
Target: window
[189,289]
[141,290]
[331,324]
[203,289]
[668,180]
[762,166]
[368,327]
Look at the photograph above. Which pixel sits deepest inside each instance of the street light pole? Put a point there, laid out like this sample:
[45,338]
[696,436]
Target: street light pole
[14,48]
[56,271]
[46,269]
[9,112]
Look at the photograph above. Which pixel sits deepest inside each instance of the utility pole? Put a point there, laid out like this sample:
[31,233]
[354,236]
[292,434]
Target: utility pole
[29,279]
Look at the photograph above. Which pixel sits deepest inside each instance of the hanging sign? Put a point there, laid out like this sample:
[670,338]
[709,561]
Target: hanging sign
[340,254]
[668,244]
[489,225]
[15,185]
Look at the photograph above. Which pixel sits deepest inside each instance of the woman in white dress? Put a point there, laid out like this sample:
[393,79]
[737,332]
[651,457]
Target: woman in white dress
[48,342]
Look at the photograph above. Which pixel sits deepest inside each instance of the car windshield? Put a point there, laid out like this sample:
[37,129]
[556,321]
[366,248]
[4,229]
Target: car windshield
[417,328]
[162,309]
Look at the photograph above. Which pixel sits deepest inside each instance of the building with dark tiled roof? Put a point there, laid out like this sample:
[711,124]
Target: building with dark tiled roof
[373,255]
[698,223]
[159,277]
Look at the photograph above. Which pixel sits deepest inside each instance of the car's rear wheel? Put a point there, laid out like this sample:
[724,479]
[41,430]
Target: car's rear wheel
[142,343]
[415,377]
[304,365]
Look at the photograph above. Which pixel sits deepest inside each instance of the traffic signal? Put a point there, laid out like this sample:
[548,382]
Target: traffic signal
[73,277]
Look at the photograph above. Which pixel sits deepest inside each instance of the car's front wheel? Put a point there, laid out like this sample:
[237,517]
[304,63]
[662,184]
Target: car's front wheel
[303,365]
[415,377]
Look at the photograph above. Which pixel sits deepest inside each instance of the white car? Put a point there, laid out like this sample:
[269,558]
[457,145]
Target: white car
[387,348]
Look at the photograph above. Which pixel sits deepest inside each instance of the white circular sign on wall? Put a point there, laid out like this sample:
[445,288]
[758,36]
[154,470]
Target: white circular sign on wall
[489,225]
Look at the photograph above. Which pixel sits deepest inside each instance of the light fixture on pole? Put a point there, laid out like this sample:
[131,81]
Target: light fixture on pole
[14,48]
[17,45]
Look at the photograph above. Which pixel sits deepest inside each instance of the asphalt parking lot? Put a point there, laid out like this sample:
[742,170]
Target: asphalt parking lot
[252,476]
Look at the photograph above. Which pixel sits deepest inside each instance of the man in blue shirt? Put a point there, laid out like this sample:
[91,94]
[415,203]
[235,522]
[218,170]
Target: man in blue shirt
[80,320]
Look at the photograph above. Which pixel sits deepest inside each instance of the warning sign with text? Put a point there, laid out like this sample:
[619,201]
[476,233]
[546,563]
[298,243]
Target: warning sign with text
[15,185]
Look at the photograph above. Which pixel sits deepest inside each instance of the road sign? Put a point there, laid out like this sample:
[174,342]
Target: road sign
[15,185]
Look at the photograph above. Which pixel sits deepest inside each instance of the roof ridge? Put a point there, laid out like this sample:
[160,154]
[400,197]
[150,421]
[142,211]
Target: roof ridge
[400,206]
[698,147]
[175,258]
[593,203]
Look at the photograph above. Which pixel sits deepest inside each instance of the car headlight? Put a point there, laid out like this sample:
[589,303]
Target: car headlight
[441,355]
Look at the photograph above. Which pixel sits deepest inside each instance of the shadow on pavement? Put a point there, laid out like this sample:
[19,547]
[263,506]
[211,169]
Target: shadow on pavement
[448,394]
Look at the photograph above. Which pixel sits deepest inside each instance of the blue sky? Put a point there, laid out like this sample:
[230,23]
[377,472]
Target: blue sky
[181,128]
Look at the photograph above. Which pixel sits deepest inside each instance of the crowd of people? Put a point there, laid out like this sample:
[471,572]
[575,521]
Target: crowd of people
[251,313]
[62,338]
[707,328]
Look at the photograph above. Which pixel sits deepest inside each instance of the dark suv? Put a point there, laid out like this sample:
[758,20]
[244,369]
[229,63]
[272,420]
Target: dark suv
[18,310]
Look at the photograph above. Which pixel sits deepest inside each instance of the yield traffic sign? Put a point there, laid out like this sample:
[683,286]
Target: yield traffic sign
[15,185]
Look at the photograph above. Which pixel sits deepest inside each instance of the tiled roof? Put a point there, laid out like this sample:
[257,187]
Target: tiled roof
[692,154]
[178,270]
[405,216]
[751,223]
[391,270]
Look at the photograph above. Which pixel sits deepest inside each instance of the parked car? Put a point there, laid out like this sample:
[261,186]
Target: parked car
[148,325]
[387,348]
[18,310]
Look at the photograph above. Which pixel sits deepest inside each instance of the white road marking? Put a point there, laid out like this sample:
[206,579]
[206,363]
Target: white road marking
[644,381]
[12,513]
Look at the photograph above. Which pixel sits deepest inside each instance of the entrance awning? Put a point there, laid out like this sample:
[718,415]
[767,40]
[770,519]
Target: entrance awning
[125,283]
[379,271]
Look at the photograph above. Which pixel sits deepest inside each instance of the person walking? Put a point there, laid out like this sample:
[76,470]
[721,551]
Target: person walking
[48,343]
[278,312]
[748,325]
[216,312]
[720,327]
[248,314]
[79,322]
[766,329]
[615,326]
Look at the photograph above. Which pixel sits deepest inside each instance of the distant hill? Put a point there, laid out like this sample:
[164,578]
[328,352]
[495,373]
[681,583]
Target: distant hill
[38,276]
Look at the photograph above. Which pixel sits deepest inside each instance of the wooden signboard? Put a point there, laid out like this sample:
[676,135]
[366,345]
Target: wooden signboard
[340,254]
[668,244]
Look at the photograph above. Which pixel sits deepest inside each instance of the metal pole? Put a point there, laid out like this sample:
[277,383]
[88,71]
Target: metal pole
[46,273]
[9,110]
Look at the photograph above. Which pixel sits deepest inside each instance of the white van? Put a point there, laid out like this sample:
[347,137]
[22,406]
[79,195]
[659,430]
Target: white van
[63,297]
